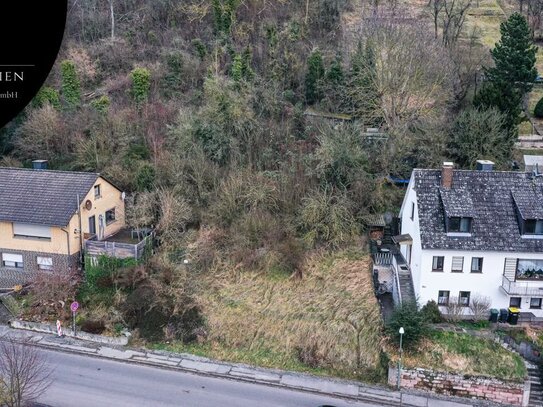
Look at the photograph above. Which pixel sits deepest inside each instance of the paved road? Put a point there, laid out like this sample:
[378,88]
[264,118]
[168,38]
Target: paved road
[90,382]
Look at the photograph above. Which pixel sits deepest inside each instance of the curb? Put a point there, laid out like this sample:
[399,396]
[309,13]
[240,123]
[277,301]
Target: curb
[348,390]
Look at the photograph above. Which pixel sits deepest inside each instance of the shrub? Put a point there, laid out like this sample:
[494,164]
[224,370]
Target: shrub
[141,83]
[101,104]
[413,321]
[431,312]
[71,89]
[538,110]
[47,95]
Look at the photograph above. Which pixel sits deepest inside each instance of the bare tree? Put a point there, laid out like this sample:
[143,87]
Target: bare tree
[413,74]
[480,306]
[25,373]
[449,16]
[112,15]
[455,310]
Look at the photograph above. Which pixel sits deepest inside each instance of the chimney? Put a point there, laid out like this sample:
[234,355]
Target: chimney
[447,174]
[485,165]
[39,164]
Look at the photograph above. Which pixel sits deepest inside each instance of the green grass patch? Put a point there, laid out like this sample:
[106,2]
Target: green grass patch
[467,354]
[474,325]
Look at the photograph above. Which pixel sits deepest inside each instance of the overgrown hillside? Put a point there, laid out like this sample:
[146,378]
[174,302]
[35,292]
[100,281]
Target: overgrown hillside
[197,110]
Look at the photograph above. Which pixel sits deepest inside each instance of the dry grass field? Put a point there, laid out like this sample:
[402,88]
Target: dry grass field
[326,322]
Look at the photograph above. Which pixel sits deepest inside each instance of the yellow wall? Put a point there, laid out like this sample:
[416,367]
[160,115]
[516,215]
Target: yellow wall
[110,198]
[58,243]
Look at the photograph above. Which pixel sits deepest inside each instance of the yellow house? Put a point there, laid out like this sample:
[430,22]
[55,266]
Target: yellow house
[48,217]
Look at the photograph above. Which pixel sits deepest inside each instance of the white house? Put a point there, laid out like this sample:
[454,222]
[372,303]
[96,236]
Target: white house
[475,233]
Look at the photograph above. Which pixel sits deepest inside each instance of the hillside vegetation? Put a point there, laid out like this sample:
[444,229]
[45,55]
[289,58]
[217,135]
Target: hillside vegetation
[196,110]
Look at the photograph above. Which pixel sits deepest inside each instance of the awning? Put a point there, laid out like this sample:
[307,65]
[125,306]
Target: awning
[403,239]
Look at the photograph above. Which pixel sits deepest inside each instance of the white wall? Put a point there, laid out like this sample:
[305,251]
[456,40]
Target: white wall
[412,228]
[487,283]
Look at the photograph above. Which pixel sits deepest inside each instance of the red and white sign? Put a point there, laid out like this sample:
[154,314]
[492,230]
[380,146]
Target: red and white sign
[74,306]
[59,328]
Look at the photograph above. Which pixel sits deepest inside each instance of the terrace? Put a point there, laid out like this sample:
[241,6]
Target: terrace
[125,244]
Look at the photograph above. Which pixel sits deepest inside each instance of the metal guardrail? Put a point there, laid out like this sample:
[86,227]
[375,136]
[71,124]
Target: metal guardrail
[526,288]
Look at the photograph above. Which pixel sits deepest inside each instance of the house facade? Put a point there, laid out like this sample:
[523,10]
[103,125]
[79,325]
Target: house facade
[475,234]
[47,216]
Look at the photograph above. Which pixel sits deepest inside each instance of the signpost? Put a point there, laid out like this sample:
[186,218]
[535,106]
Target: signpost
[59,328]
[74,307]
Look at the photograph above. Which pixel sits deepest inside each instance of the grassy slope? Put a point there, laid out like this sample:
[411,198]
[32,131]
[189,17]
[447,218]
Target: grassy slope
[465,354]
[331,315]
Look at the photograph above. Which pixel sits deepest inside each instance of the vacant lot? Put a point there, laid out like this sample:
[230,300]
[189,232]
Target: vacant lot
[328,321]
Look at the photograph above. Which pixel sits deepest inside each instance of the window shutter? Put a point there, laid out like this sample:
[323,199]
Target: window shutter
[16,258]
[510,269]
[45,261]
[457,264]
[23,229]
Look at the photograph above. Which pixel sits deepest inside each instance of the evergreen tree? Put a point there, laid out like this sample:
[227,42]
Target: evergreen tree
[514,72]
[335,72]
[315,73]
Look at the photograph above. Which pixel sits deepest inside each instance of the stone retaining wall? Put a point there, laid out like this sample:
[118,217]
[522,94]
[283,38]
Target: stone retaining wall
[52,329]
[474,387]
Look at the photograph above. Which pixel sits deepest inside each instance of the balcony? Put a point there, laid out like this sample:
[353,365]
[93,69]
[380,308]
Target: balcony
[124,244]
[524,288]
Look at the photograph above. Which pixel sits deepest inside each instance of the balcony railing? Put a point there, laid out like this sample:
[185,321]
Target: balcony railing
[525,288]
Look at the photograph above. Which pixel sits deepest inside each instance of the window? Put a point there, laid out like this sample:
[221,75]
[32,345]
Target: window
[529,269]
[443,297]
[533,227]
[457,264]
[12,260]
[97,191]
[412,210]
[457,224]
[463,298]
[515,302]
[437,263]
[25,230]
[477,265]
[45,263]
[535,303]
[110,216]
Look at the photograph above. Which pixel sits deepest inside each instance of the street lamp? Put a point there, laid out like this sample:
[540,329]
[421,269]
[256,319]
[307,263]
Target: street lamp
[401,331]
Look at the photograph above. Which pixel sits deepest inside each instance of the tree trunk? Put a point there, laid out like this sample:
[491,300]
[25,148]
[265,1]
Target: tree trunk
[112,13]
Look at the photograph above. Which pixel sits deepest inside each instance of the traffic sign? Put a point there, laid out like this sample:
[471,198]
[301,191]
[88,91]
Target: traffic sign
[74,306]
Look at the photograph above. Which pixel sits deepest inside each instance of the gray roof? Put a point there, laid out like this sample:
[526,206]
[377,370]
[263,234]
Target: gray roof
[487,197]
[42,197]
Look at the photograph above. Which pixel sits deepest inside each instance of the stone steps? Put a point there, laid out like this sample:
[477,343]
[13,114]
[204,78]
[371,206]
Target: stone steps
[536,387]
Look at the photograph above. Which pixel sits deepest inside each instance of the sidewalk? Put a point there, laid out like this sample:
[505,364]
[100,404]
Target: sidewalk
[235,371]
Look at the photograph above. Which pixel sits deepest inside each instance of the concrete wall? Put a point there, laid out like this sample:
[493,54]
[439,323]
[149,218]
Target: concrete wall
[482,388]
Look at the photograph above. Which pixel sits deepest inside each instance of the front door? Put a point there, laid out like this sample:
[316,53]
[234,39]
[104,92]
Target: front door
[92,225]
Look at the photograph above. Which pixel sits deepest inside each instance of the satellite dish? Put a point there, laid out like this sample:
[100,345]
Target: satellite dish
[88,204]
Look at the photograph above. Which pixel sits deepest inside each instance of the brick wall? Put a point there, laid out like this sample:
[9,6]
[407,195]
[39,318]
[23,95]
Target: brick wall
[464,386]
[11,276]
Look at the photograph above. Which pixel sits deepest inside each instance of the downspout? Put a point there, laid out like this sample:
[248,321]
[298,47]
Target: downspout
[80,231]
[67,240]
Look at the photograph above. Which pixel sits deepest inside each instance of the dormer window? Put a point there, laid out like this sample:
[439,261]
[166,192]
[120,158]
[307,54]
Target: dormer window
[459,224]
[533,227]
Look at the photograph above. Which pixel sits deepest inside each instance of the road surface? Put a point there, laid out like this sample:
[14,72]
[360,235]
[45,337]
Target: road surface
[84,381]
